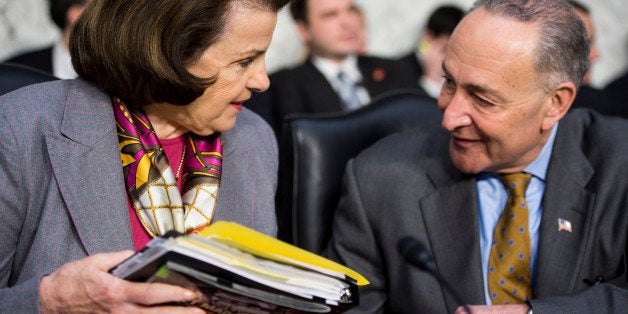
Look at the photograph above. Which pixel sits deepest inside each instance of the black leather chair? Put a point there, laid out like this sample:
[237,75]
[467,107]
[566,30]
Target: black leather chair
[314,150]
[14,76]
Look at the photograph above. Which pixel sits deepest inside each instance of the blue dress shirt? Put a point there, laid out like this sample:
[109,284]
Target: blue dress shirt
[492,197]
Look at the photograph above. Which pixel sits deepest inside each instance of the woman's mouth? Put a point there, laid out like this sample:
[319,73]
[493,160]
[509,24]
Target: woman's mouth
[237,105]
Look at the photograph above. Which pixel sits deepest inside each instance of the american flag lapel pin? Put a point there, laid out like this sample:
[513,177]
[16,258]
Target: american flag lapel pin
[564,225]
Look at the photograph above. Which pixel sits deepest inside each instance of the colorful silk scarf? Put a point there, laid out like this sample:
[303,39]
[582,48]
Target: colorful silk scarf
[151,183]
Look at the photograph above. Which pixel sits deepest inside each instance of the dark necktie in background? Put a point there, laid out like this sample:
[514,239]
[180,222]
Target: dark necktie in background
[348,92]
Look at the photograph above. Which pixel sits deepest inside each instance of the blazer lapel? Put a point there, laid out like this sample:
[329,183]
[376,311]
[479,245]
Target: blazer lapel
[451,216]
[86,163]
[560,251]
[321,96]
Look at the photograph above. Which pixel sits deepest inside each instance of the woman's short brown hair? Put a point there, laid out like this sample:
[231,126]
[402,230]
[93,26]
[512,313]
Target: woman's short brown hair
[139,50]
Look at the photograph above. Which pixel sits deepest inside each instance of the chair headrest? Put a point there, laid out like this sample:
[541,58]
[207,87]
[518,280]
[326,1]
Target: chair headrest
[315,149]
[14,76]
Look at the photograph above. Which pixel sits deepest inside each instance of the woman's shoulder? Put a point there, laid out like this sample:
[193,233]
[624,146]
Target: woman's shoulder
[47,105]
[250,120]
[47,94]
[33,100]
[250,129]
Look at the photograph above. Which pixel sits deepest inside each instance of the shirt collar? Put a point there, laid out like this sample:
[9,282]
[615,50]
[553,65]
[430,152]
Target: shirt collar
[62,62]
[538,167]
[330,69]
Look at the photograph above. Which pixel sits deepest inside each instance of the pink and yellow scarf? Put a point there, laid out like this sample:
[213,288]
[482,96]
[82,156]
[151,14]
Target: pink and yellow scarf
[151,183]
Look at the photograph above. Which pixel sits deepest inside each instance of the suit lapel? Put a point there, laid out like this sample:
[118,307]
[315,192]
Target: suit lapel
[451,216]
[376,76]
[321,96]
[560,252]
[86,163]
[366,68]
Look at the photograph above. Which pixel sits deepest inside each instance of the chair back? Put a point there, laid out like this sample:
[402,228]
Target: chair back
[314,150]
[14,76]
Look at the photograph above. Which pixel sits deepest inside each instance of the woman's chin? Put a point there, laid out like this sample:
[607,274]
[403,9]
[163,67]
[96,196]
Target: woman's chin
[222,126]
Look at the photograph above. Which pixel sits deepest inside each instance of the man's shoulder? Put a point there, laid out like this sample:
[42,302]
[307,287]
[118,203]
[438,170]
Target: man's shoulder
[599,138]
[589,126]
[390,72]
[293,72]
[376,61]
[46,51]
[417,158]
[40,59]
[414,146]
[408,58]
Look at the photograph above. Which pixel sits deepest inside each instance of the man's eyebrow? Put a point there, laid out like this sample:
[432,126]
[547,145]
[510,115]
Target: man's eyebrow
[473,88]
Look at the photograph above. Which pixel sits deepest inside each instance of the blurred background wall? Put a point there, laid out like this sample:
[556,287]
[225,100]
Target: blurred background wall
[393,30]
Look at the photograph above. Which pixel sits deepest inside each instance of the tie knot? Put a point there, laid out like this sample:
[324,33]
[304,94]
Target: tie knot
[343,77]
[516,183]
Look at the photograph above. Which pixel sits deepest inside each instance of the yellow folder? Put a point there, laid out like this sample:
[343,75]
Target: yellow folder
[259,244]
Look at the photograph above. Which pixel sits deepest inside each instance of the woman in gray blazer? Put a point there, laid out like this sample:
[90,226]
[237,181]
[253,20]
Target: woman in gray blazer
[144,142]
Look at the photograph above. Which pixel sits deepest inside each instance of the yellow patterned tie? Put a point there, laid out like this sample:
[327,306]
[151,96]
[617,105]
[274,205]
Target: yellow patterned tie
[509,262]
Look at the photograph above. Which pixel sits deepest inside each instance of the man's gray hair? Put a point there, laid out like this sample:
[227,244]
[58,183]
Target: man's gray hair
[562,53]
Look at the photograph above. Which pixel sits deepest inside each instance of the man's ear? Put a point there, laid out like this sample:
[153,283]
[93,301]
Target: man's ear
[73,13]
[304,33]
[559,101]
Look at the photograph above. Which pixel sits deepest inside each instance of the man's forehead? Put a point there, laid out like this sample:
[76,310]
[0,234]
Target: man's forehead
[483,26]
[490,40]
[480,60]
[323,6]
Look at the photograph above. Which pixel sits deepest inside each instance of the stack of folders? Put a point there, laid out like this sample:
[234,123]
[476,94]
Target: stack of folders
[239,270]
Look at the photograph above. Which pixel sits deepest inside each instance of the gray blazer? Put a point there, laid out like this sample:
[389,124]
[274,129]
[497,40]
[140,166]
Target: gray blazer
[406,185]
[62,194]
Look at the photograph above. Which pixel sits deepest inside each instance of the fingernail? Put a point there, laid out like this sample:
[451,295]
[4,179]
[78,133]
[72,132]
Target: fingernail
[189,294]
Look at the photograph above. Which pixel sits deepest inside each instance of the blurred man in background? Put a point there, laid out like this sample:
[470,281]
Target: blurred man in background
[422,68]
[335,76]
[588,96]
[56,59]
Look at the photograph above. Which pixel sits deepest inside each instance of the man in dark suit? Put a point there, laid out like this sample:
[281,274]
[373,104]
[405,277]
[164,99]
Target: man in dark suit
[618,91]
[560,246]
[332,31]
[56,59]
[601,101]
[422,67]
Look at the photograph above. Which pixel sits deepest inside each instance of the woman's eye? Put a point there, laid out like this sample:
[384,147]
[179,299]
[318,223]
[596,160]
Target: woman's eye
[246,62]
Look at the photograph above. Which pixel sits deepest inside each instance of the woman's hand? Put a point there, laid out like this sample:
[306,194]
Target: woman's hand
[86,286]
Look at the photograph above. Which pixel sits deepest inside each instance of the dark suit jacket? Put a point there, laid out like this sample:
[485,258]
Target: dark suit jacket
[410,71]
[602,101]
[39,59]
[416,191]
[617,90]
[62,193]
[305,89]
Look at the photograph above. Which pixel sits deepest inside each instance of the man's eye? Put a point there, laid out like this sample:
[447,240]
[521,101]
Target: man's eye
[483,101]
[448,82]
